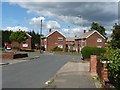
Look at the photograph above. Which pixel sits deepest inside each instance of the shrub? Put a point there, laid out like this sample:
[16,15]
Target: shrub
[16,48]
[57,49]
[66,49]
[113,55]
[87,51]
[72,50]
[27,50]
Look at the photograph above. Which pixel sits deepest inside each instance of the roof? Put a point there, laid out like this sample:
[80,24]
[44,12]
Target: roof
[70,38]
[28,35]
[88,34]
[53,32]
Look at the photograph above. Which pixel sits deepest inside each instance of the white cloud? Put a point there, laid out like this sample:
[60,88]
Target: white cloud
[53,24]
[74,31]
[61,1]
[36,21]
[16,28]
[108,32]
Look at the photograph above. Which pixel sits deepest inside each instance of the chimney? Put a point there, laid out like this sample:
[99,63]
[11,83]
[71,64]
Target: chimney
[75,35]
[84,31]
[50,30]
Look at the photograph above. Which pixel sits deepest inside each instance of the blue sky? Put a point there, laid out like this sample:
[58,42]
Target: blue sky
[26,15]
[14,15]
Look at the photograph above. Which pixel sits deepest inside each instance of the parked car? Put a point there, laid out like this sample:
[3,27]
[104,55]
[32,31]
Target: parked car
[9,48]
[42,48]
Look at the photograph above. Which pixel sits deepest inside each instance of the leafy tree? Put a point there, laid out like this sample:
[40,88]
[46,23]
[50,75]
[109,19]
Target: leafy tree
[18,36]
[115,42]
[99,28]
[35,39]
[5,36]
[113,55]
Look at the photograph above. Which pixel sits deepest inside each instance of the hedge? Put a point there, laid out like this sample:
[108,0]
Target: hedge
[113,55]
[87,51]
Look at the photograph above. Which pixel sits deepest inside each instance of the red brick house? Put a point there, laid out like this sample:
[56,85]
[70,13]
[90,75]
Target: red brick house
[91,38]
[25,44]
[54,39]
[70,43]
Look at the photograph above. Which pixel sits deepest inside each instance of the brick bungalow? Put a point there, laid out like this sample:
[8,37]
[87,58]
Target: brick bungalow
[25,44]
[54,39]
[91,38]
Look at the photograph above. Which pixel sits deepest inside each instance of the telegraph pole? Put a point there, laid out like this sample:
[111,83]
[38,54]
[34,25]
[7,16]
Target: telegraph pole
[80,28]
[40,34]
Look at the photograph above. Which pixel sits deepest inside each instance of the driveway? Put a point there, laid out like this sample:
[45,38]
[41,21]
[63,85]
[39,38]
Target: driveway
[34,73]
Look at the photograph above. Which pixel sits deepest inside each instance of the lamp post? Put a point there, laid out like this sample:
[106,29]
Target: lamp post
[40,33]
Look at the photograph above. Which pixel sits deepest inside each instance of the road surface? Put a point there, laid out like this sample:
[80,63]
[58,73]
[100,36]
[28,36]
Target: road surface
[34,73]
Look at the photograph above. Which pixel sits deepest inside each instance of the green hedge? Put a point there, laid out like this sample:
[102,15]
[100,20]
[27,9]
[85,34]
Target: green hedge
[87,51]
[27,50]
[113,55]
[16,48]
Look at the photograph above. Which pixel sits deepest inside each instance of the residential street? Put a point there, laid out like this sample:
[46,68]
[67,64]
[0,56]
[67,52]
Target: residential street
[34,73]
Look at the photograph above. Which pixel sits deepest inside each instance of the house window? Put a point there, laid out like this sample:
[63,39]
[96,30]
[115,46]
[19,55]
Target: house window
[45,46]
[99,46]
[99,40]
[82,40]
[60,38]
[60,46]
[44,39]
[25,45]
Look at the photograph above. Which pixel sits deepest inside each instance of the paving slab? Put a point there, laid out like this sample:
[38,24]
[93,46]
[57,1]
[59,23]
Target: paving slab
[73,75]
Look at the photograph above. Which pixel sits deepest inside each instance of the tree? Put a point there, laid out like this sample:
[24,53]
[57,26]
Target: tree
[35,39]
[99,28]
[115,42]
[18,36]
[4,38]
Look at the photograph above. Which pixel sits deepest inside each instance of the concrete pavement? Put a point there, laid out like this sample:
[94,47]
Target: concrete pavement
[72,75]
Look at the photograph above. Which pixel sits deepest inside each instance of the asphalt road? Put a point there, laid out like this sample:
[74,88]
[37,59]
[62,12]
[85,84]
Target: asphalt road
[34,73]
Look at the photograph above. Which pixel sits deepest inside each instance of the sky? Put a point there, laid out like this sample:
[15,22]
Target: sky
[70,18]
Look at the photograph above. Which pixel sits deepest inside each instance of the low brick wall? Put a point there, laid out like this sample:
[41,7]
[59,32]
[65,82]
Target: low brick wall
[8,55]
[98,68]
[13,55]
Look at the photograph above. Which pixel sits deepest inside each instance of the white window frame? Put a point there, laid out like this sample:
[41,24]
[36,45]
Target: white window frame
[45,46]
[60,46]
[60,38]
[44,39]
[99,40]
[99,46]
[25,45]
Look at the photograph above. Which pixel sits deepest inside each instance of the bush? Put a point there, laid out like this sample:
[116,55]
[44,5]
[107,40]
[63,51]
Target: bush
[16,48]
[72,50]
[88,51]
[113,55]
[57,49]
[27,50]
[66,49]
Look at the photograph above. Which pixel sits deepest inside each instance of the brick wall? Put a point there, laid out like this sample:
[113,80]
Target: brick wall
[92,40]
[98,68]
[93,63]
[52,41]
